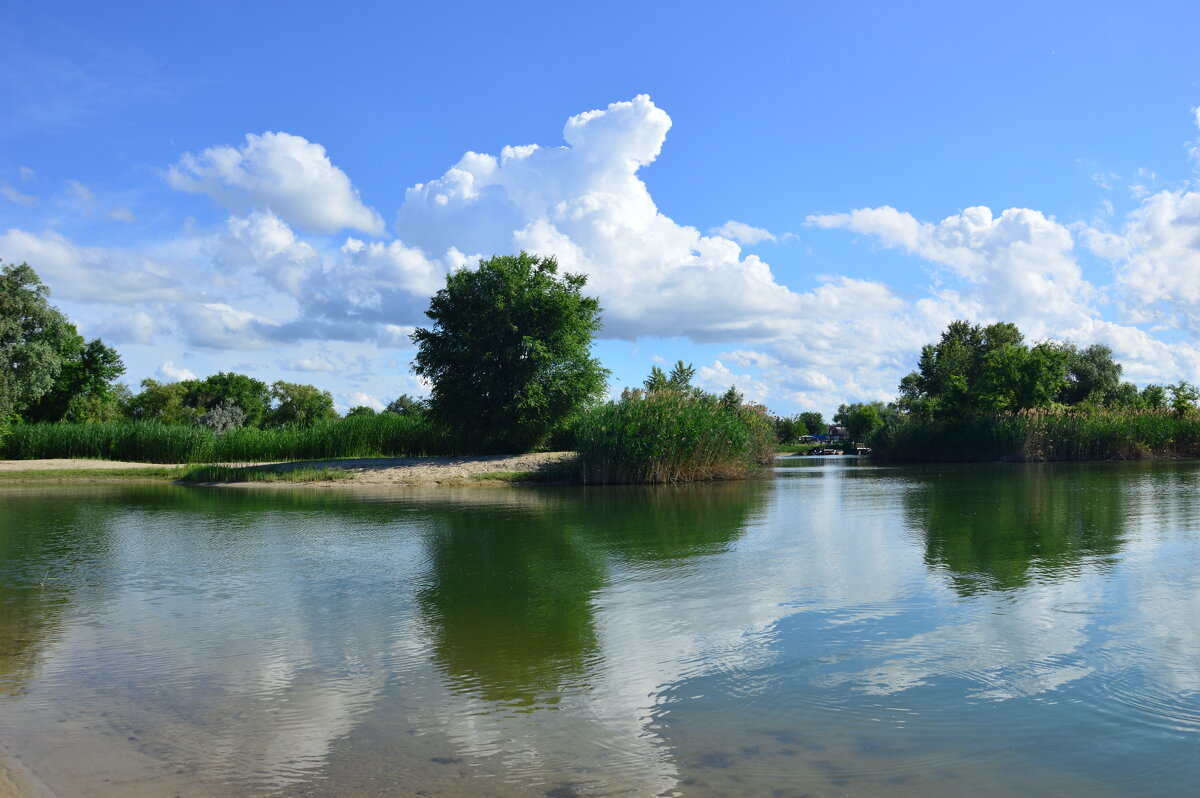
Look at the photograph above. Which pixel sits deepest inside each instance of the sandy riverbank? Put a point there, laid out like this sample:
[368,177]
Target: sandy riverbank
[17,782]
[365,471]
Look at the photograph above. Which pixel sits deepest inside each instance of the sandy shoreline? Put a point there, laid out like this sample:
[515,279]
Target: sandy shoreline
[17,782]
[366,471]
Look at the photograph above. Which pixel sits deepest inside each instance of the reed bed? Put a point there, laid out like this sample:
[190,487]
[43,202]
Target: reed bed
[671,437]
[1042,435]
[383,435]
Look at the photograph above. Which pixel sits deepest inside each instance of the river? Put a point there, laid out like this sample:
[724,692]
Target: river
[836,628]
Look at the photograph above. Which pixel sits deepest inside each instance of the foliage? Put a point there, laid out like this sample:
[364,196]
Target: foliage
[668,436]
[1153,397]
[162,401]
[509,352]
[226,416]
[862,422]
[679,380]
[814,422]
[84,389]
[299,405]
[405,405]
[1184,396]
[361,410]
[33,337]
[787,429]
[975,369]
[1094,377]
[249,394]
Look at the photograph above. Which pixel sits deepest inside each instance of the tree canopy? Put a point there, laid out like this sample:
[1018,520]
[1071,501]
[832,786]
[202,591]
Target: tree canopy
[982,369]
[509,352]
[47,371]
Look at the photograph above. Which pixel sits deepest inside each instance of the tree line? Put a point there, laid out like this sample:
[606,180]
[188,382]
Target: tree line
[508,357]
[50,373]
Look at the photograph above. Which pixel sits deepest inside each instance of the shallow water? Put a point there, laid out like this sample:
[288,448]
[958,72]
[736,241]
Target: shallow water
[838,629]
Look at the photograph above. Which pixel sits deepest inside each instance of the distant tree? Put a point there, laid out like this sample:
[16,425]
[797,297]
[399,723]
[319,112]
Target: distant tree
[84,390]
[788,429]
[296,405]
[509,352]
[974,369]
[862,422]
[678,381]
[1092,376]
[360,410]
[405,405]
[813,422]
[1153,397]
[33,338]
[249,394]
[632,394]
[1184,396]
[163,401]
[680,378]
[657,381]
[862,419]
[732,399]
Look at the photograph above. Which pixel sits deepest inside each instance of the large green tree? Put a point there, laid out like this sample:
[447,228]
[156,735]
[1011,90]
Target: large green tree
[34,336]
[509,352]
[84,390]
[974,369]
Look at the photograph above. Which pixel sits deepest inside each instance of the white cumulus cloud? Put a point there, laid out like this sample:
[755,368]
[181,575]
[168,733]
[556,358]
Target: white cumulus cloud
[288,175]
[585,204]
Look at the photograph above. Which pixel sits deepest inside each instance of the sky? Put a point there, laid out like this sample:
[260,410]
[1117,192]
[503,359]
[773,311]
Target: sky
[793,197]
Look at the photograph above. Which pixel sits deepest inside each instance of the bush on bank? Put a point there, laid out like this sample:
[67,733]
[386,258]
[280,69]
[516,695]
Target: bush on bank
[668,436]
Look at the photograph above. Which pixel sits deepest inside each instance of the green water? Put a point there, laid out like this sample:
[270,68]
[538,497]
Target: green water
[834,629]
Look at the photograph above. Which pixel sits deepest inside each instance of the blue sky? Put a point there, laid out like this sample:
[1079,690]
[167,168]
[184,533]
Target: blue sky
[794,197]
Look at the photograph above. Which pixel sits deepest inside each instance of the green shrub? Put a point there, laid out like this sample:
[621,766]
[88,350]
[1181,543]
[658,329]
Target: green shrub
[671,437]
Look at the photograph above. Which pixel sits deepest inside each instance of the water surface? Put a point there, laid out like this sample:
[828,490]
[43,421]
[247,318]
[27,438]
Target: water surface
[837,629]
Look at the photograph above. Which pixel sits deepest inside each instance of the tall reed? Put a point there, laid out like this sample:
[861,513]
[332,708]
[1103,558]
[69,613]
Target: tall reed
[382,435]
[1036,435]
[671,437]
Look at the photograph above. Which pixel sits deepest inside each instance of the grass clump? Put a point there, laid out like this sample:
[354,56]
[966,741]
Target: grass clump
[669,436]
[1042,435]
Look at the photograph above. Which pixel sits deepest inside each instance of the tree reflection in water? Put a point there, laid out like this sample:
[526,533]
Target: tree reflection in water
[510,592]
[1000,527]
